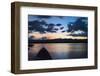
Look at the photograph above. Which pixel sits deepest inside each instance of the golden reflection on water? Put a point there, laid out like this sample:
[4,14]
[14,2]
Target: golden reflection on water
[35,48]
[58,50]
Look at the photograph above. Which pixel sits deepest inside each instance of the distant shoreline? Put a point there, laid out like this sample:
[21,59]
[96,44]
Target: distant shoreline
[59,41]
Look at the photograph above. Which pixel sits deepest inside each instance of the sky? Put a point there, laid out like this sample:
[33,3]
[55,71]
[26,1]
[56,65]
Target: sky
[53,27]
[55,19]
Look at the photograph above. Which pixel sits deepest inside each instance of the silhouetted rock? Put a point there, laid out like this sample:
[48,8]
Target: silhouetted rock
[43,55]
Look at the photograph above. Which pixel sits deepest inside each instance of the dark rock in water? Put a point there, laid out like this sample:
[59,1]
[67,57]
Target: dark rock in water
[43,55]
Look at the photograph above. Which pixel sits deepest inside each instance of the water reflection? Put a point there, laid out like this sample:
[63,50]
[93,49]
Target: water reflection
[58,51]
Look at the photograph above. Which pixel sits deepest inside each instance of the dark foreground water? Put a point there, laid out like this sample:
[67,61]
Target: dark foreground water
[50,51]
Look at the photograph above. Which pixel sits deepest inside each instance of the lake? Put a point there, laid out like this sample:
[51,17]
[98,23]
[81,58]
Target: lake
[57,51]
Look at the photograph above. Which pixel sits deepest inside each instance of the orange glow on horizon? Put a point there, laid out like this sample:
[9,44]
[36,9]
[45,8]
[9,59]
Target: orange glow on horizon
[65,35]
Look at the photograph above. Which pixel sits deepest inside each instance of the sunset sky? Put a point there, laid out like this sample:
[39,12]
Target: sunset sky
[54,27]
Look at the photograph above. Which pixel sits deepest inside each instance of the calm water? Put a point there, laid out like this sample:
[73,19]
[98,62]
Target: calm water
[58,51]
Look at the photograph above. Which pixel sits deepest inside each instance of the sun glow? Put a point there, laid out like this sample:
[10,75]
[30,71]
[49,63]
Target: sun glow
[64,35]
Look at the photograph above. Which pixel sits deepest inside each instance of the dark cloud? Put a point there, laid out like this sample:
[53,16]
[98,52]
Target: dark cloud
[43,22]
[36,26]
[43,16]
[60,16]
[61,28]
[58,24]
[50,27]
[46,16]
[79,24]
[63,31]
[56,29]
[39,26]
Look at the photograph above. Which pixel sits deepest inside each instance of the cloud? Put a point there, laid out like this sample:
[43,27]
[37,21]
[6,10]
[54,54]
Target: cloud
[55,29]
[64,31]
[61,28]
[58,24]
[46,16]
[76,28]
[80,24]
[36,26]
[43,16]
[50,27]
[79,33]
[41,26]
